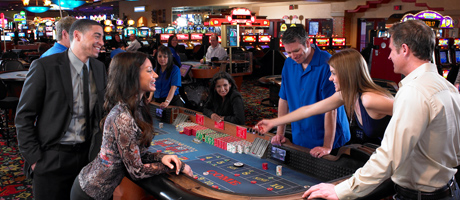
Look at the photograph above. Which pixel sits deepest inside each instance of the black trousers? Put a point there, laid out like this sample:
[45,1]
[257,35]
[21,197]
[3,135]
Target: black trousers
[77,193]
[176,101]
[55,173]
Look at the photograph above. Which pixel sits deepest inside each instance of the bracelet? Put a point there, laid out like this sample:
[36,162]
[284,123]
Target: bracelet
[167,101]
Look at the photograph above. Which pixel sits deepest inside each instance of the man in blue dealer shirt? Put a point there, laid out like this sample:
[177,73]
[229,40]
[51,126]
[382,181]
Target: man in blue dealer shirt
[305,81]
[62,36]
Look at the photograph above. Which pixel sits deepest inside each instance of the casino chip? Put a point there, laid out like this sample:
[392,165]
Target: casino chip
[253,182]
[215,187]
[269,189]
[238,164]
[237,175]
[205,173]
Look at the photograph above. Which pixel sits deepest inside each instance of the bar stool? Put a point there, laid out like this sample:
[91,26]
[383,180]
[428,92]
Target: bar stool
[6,104]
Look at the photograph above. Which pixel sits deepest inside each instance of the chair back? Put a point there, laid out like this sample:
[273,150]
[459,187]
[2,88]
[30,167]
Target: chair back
[10,55]
[3,89]
[11,65]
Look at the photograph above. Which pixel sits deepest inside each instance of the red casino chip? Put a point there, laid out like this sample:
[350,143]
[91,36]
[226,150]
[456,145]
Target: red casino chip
[269,189]
[253,182]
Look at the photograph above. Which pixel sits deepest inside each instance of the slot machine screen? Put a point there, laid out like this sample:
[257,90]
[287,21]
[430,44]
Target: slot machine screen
[145,43]
[157,31]
[443,57]
[249,47]
[143,33]
[265,46]
[40,34]
[457,56]
[108,37]
[11,34]
[21,34]
[49,34]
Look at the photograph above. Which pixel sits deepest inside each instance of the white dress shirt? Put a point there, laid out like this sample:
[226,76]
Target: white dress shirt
[134,46]
[218,52]
[420,147]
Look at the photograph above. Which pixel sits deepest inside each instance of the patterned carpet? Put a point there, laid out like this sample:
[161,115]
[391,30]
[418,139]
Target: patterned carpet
[13,182]
[253,93]
[15,186]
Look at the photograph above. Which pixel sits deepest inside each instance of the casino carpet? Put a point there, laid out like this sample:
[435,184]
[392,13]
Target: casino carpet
[15,186]
[253,92]
[13,182]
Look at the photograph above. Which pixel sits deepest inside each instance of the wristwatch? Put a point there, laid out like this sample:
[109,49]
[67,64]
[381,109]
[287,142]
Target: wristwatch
[168,101]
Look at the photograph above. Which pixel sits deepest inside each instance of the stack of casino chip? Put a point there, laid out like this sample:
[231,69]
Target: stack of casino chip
[191,130]
[210,138]
[180,127]
[224,141]
[240,146]
[200,135]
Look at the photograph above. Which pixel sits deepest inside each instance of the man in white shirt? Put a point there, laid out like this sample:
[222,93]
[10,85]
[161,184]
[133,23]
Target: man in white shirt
[421,144]
[215,50]
[134,45]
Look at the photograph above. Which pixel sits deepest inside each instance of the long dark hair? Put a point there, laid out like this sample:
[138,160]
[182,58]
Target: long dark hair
[123,86]
[166,51]
[215,78]
[169,41]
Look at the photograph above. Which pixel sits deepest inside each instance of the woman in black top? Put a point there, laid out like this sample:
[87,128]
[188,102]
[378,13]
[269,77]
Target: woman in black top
[224,102]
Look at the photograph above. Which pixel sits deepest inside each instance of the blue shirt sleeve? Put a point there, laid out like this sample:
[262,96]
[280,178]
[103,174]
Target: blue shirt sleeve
[282,92]
[176,56]
[176,79]
[327,88]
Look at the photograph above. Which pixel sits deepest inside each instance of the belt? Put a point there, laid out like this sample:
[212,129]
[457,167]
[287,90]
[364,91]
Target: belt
[445,191]
[79,147]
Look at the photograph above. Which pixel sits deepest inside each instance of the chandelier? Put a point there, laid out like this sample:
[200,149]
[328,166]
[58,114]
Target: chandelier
[69,4]
[37,8]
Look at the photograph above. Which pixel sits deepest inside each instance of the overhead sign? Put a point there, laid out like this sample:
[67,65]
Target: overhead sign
[18,17]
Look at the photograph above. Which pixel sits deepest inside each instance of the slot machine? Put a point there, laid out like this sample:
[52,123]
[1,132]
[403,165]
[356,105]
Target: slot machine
[338,44]
[443,59]
[184,39]
[196,39]
[264,42]
[128,31]
[164,38]
[455,55]
[248,42]
[323,43]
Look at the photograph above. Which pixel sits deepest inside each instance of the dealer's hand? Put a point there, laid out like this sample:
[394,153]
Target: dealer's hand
[216,117]
[319,152]
[278,139]
[323,190]
[164,105]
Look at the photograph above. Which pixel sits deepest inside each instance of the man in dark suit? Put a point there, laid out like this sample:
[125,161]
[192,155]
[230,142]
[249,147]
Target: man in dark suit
[58,117]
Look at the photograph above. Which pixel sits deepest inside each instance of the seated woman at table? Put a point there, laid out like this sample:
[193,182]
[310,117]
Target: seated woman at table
[169,80]
[366,102]
[172,44]
[224,103]
[128,132]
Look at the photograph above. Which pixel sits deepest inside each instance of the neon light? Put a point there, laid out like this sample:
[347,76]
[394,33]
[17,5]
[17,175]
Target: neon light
[37,9]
